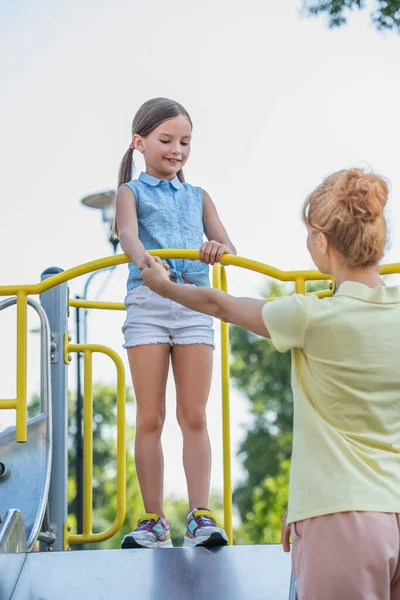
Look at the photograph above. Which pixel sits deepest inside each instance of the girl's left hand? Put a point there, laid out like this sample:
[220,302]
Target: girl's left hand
[211,252]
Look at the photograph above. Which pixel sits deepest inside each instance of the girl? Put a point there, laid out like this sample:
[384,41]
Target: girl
[344,499]
[160,210]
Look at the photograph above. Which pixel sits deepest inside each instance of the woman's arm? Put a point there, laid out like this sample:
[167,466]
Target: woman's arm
[245,312]
[219,242]
[127,225]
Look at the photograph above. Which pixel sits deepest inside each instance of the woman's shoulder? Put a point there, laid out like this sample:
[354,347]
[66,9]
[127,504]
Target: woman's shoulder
[308,305]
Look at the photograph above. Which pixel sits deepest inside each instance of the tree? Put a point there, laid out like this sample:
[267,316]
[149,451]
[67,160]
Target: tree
[385,16]
[263,375]
[104,464]
[104,472]
[270,500]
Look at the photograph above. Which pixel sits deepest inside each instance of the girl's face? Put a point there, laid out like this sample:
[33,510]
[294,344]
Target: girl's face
[317,245]
[167,148]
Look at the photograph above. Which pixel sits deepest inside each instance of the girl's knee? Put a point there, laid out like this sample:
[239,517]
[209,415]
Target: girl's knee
[150,423]
[191,419]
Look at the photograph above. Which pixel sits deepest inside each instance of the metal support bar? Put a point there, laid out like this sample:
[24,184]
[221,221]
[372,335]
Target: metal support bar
[55,303]
[87,535]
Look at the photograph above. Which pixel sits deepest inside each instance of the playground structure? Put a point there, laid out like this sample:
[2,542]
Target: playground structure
[33,471]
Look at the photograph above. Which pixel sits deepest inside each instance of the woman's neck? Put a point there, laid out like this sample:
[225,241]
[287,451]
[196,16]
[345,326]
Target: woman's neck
[368,276]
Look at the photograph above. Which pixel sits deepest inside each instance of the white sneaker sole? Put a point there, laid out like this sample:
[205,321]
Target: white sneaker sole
[212,540]
[130,542]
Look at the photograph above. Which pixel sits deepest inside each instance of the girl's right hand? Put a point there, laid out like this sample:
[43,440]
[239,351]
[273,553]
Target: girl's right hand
[142,261]
[146,259]
[162,263]
[155,273]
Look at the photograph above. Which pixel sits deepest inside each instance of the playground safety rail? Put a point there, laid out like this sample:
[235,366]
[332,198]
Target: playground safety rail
[300,278]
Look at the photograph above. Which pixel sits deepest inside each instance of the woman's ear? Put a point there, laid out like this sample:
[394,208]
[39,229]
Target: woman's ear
[137,140]
[323,243]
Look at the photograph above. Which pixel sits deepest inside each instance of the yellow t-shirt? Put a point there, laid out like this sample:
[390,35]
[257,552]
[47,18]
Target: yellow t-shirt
[346,387]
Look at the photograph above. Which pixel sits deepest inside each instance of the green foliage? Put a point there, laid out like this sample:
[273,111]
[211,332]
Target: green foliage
[386,16]
[176,511]
[104,473]
[263,375]
[104,464]
[270,498]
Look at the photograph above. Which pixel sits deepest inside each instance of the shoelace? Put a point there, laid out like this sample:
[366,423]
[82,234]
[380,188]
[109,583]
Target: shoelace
[146,525]
[204,521]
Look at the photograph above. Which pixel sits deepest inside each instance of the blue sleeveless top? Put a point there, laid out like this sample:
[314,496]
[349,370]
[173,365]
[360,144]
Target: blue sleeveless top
[170,215]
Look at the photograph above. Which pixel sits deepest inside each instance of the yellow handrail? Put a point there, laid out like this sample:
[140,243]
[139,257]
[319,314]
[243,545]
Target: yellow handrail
[227,259]
[78,303]
[22,291]
[19,403]
[226,429]
[88,535]
[220,283]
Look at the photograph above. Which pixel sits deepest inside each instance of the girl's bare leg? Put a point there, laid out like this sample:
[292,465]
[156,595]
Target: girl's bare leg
[192,367]
[149,369]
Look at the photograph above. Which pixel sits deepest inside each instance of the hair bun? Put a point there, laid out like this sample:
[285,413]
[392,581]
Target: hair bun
[348,208]
[364,194]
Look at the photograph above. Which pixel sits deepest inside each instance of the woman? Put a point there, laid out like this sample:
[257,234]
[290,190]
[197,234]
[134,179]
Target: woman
[344,495]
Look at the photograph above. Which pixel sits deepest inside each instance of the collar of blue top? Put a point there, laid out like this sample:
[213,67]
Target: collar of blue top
[146,178]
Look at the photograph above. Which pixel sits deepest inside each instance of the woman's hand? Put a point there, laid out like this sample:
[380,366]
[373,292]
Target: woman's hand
[211,252]
[142,261]
[285,534]
[154,272]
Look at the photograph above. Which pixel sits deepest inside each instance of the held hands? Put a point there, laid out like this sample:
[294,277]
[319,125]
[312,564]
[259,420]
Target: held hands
[154,272]
[285,534]
[211,252]
[141,261]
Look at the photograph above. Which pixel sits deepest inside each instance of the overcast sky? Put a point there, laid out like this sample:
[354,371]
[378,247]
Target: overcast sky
[277,102]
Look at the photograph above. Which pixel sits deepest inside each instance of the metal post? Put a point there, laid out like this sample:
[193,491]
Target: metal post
[79,398]
[55,303]
[78,435]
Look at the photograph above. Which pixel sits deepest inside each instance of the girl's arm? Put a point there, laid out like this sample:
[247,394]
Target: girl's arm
[127,224]
[245,312]
[219,242]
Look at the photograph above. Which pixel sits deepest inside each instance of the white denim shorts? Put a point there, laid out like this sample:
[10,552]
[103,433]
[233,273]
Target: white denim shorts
[152,319]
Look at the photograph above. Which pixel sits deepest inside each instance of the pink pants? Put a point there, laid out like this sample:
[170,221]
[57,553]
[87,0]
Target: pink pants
[347,556]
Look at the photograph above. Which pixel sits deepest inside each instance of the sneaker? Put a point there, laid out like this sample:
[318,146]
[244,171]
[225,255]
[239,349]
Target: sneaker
[202,530]
[152,531]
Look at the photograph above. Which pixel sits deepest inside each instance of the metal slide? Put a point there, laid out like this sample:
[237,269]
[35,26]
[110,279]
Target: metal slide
[24,484]
[27,466]
[230,573]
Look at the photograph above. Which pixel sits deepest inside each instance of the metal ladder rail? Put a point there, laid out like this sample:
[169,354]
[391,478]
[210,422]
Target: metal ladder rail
[41,528]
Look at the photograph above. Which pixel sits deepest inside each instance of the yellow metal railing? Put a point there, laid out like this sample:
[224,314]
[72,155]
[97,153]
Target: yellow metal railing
[88,535]
[19,403]
[220,282]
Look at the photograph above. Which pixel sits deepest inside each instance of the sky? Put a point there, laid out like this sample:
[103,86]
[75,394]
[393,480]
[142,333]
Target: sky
[278,102]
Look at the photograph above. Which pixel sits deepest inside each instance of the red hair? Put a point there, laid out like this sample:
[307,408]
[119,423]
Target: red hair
[348,207]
